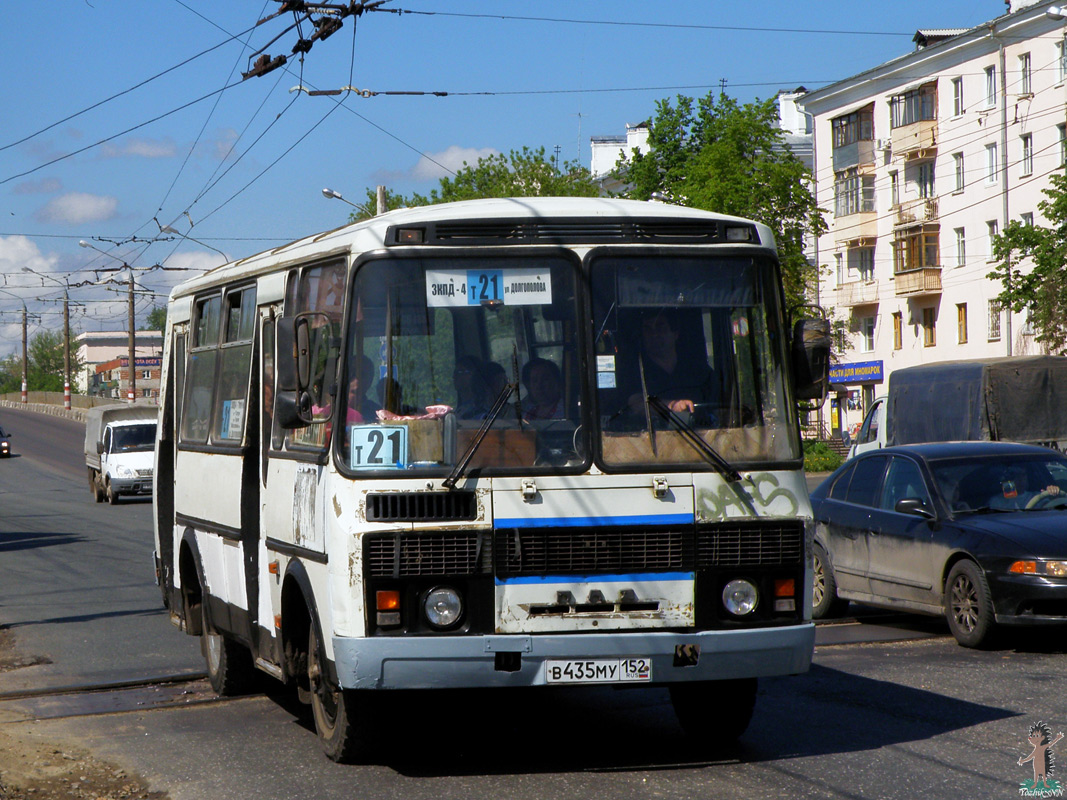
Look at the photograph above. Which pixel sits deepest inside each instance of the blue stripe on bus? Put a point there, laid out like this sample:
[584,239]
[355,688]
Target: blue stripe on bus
[632,578]
[592,522]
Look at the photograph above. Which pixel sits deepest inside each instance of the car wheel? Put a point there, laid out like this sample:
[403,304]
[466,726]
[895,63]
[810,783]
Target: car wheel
[342,717]
[824,600]
[968,606]
[112,495]
[229,664]
[715,713]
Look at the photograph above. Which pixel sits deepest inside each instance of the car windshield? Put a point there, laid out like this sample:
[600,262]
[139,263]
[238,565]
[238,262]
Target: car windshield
[701,335]
[134,437]
[1002,483]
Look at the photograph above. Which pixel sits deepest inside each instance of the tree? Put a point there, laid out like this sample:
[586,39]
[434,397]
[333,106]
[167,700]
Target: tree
[46,363]
[525,173]
[729,158]
[156,320]
[1042,289]
[11,374]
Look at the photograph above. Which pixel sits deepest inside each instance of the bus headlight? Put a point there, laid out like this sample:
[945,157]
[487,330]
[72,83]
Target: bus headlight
[740,597]
[443,607]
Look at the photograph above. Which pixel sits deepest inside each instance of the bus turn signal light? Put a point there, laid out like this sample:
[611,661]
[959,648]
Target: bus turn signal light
[784,587]
[388,601]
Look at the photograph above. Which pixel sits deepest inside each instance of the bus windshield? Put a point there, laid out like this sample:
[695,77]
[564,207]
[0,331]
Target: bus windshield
[701,336]
[431,345]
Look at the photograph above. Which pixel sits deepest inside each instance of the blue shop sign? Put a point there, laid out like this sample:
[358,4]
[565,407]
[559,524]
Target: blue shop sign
[859,372]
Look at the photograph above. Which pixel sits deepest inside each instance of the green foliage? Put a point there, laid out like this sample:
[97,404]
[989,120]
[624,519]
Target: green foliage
[1042,289]
[11,374]
[732,159]
[156,320]
[46,366]
[818,457]
[525,173]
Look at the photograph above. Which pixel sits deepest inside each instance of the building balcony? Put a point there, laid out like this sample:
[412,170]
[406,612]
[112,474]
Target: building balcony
[857,293]
[857,154]
[918,282]
[911,212]
[917,140]
[855,228]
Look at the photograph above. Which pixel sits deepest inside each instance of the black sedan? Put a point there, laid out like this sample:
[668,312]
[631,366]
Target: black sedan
[976,531]
[5,444]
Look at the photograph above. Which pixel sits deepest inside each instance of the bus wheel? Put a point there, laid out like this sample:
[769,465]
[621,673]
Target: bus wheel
[229,664]
[340,715]
[714,713]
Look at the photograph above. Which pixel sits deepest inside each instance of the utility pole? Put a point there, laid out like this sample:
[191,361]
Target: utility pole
[381,201]
[66,350]
[25,361]
[131,394]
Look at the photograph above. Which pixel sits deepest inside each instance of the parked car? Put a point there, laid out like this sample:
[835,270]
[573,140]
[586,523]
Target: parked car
[976,531]
[5,444]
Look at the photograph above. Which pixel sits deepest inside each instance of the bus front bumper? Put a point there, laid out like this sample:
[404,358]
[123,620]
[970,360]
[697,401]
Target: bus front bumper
[521,660]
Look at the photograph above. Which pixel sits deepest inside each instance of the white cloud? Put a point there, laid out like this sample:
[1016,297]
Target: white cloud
[78,208]
[43,186]
[17,252]
[140,148]
[452,158]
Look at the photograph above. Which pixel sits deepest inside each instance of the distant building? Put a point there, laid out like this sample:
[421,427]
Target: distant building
[94,348]
[607,150]
[922,162]
[112,378]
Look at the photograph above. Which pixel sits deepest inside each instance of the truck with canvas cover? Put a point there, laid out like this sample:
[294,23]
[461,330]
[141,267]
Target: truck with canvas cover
[119,447]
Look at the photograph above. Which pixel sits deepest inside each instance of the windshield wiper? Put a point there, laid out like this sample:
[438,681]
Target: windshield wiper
[695,440]
[494,412]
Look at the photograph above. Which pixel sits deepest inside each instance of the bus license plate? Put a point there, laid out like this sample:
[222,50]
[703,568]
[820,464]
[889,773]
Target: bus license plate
[599,670]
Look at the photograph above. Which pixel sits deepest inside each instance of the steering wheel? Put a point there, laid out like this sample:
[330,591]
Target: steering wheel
[1047,499]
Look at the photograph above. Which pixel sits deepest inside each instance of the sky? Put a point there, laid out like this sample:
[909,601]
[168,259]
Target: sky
[124,120]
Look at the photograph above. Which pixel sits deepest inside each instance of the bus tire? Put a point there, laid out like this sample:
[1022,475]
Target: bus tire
[341,715]
[714,713]
[229,663]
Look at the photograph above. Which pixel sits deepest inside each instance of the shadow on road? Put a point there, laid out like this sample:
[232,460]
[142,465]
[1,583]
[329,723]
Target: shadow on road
[29,540]
[502,732]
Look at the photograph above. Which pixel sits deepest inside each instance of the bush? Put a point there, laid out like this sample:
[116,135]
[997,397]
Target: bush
[818,457]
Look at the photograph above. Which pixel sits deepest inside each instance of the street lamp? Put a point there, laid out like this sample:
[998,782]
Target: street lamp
[131,392]
[66,332]
[330,194]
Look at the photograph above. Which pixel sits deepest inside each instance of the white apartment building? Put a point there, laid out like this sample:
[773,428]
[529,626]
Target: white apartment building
[920,162]
[98,347]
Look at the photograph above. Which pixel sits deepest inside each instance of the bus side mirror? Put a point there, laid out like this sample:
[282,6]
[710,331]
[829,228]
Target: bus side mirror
[292,401]
[811,359]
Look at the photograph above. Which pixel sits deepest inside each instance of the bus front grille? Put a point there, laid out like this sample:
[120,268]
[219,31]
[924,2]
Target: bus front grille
[589,550]
[407,555]
[421,507]
[756,544]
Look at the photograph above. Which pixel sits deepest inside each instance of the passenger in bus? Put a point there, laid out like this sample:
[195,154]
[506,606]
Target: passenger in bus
[544,390]
[678,382]
[495,379]
[473,398]
[361,408]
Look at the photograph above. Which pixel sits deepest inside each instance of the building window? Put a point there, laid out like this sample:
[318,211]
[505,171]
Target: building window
[929,332]
[840,259]
[994,321]
[957,96]
[853,193]
[990,86]
[894,188]
[898,330]
[1061,61]
[861,263]
[1027,219]
[961,247]
[1025,84]
[146,374]
[855,127]
[1063,144]
[1027,143]
[961,322]
[914,106]
[926,180]
[961,175]
[992,231]
[916,248]
[867,329]
[991,163]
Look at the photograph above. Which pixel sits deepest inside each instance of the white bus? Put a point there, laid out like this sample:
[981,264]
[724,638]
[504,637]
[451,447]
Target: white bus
[497,443]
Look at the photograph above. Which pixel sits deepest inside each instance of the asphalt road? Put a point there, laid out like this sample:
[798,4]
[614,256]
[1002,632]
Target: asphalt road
[910,718]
